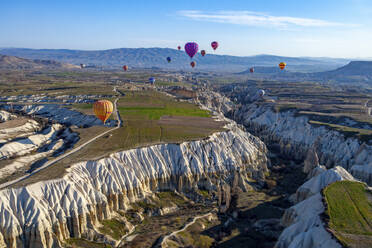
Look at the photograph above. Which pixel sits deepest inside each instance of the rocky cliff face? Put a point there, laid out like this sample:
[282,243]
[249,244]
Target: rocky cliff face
[304,227]
[60,114]
[46,213]
[295,136]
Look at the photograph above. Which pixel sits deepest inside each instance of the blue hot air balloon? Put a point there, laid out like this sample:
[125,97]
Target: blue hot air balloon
[151,80]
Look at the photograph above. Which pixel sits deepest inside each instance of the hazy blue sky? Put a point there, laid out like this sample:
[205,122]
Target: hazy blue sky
[337,28]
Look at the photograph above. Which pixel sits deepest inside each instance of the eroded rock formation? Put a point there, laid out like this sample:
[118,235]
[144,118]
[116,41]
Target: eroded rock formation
[46,213]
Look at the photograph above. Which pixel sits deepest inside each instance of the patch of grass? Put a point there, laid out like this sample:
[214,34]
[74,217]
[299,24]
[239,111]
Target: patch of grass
[285,107]
[144,205]
[204,193]
[82,243]
[349,209]
[196,239]
[114,228]
[167,197]
[154,113]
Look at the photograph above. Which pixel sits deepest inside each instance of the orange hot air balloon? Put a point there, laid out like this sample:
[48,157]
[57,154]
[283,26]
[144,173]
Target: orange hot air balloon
[202,52]
[282,65]
[193,64]
[125,67]
[103,109]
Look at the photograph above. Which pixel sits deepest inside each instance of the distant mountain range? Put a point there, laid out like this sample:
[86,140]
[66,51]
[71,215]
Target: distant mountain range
[156,57]
[12,62]
[354,73]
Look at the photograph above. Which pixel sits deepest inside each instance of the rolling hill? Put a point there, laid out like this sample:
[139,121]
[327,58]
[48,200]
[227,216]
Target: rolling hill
[12,62]
[354,73]
[156,57]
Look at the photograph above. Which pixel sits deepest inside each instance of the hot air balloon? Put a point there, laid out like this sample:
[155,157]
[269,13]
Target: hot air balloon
[103,109]
[251,69]
[193,64]
[282,65]
[261,93]
[151,80]
[191,48]
[202,52]
[179,47]
[82,66]
[169,59]
[125,67]
[214,45]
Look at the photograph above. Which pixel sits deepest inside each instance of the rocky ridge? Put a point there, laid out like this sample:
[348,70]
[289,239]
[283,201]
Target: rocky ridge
[61,114]
[295,136]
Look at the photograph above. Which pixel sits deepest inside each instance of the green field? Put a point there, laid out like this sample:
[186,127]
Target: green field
[151,105]
[349,208]
[150,117]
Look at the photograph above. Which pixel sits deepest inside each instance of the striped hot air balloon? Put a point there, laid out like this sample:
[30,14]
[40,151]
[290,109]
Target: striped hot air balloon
[125,67]
[282,65]
[103,109]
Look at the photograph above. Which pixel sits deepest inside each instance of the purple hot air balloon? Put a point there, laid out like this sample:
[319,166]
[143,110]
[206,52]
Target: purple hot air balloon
[191,48]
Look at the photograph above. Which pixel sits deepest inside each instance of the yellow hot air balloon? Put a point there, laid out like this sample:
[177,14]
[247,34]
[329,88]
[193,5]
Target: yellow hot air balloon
[282,65]
[103,109]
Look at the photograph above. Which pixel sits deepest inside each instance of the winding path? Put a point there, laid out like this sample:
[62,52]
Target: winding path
[51,162]
[184,228]
[119,243]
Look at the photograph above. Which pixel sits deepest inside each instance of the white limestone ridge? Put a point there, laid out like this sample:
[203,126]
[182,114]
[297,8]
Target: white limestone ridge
[304,227]
[28,128]
[296,135]
[61,115]
[46,213]
[31,143]
[41,98]
[5,116]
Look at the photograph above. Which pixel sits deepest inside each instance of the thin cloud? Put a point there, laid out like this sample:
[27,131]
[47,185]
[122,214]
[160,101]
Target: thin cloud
[250,18]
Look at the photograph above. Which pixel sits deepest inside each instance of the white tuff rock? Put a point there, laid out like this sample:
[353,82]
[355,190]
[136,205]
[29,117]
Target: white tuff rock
[304,227]
[296,136]
[45,213]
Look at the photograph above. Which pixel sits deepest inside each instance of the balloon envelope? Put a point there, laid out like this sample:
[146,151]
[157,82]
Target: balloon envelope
[179,47]
[169,59]
[214,45]
[261,93]
[103,109]
[125,67]
[193,64]
[151,80]
[202,52]
[191,48]
[251,69]
[282,65]
[82,66]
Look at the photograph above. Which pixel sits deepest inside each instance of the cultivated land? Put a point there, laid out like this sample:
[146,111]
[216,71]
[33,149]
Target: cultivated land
[349,209]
